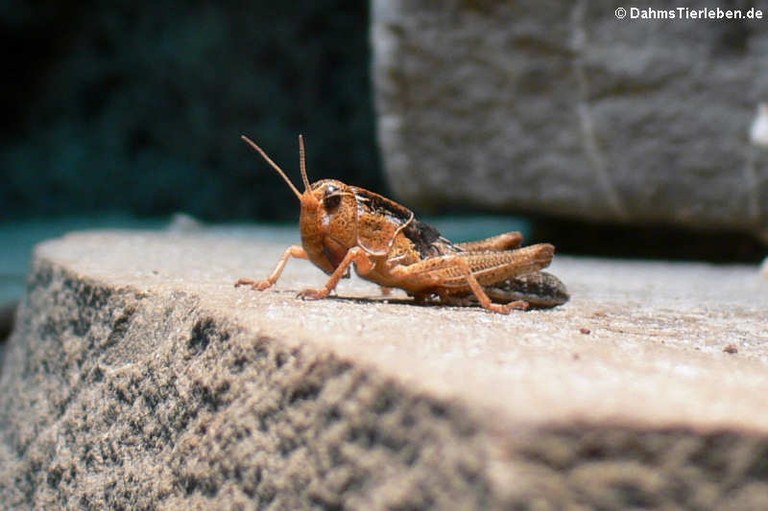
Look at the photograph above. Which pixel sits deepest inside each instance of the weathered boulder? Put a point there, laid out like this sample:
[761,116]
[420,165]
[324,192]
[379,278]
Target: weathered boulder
[561,109]
[138,377]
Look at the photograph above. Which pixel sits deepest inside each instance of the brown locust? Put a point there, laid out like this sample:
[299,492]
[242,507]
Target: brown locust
[345,226]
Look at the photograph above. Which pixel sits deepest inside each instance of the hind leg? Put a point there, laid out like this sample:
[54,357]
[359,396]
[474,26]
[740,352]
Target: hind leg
[506,241]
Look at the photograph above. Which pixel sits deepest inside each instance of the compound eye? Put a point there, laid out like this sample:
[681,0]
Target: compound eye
[332,198]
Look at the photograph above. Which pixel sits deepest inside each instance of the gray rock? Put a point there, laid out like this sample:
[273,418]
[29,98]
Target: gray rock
[138,377]
[559,108]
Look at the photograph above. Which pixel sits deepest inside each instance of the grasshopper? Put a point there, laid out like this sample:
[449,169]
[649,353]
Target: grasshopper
[345,226]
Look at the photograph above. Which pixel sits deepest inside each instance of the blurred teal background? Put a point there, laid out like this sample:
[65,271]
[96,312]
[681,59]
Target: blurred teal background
[136,108]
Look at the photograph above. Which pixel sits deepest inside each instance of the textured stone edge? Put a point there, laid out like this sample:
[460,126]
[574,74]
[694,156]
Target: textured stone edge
[116,398]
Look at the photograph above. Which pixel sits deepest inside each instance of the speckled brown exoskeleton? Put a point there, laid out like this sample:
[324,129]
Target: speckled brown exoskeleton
[345,226]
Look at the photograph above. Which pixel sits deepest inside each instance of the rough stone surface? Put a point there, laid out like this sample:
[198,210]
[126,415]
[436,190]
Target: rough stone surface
[139,378]
[559,108]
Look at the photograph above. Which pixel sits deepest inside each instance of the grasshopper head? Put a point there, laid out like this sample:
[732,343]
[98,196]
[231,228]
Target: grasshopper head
[328,213]
[328,222]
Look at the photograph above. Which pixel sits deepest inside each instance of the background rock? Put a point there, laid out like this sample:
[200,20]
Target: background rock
[139,377]
[561,109]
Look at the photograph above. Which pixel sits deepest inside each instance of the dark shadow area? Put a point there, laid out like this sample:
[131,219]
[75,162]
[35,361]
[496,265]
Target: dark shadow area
[7,320]
[138,109]
[647,242]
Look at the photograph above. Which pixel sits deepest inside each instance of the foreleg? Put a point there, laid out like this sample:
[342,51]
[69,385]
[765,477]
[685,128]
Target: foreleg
[260,285]
[355,255]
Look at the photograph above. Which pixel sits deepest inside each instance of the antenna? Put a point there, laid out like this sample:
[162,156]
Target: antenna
[276,167]
[303,163]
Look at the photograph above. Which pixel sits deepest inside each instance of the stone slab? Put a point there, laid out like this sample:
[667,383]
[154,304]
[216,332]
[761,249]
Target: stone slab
[138,376]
